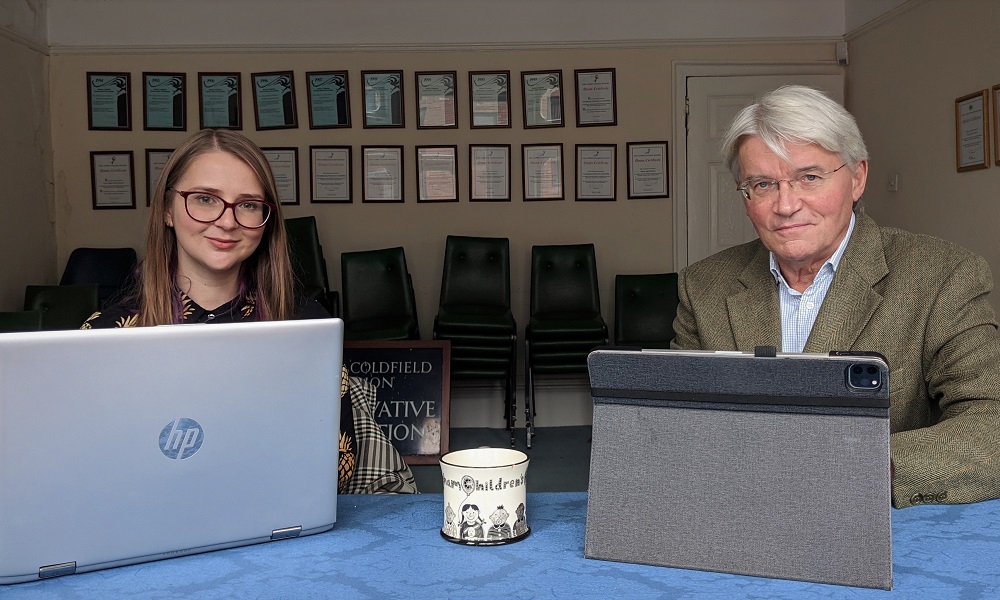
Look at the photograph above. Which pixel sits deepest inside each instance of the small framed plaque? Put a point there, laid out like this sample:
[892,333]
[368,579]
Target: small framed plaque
[437,173]
[274,100]
[996,123]
[647,170]
[109,101]
[112,179]
[543,171]
[595,97]
[972,131]
[489,98]
[164,101]
[220,104]
[156,159]
[542,98]
[330,173]
[595,171]
[436,106]
[383,173]
[489,173]
[383,92]
[285,167]
[329,99]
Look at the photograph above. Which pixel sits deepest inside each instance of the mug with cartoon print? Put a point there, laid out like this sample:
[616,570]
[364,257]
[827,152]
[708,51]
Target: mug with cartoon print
[484,496]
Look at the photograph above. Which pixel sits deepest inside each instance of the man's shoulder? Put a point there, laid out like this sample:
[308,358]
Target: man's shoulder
[902,246]
[731,260]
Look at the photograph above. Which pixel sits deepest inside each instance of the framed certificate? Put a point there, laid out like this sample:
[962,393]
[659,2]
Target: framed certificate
[383,92]
[109,101]
[274,100]
[156,159]
[972,131]
[595,171]
[542,98]
[330,173]
[437,173]
[112,179]
[383,173]
[489,98]
[329,99]
[489,173]
[436,100]
[543,171]
[647,170]
[595,97]
[996,123]
[220,104]
[163,101]
[285,167]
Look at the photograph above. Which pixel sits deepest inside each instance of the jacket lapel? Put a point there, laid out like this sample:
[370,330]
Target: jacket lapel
[752,311]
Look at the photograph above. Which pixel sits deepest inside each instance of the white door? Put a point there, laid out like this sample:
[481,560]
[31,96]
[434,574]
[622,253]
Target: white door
[716,218]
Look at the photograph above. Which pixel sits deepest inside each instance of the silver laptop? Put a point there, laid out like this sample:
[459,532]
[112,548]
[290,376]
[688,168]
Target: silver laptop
[774,465]
[129,445]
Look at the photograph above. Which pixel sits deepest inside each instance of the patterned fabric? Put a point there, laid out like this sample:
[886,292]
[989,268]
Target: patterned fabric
[238,310]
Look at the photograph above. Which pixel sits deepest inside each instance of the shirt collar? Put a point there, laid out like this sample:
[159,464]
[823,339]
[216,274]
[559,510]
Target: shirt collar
[833,261]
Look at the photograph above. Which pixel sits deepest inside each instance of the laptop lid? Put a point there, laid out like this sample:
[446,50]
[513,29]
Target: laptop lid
[775,466]
[120,446]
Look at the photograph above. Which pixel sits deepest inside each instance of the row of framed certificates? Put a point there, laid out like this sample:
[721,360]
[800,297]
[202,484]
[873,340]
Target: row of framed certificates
[436,171]
[164,95]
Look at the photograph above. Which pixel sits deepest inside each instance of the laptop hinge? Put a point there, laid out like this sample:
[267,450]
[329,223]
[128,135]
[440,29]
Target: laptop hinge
[287,532]
[50,571]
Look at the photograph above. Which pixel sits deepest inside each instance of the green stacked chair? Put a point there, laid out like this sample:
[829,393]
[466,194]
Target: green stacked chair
[112,269]
[377,296]
[20,320]
[62,306]
[645,307]
[309,264]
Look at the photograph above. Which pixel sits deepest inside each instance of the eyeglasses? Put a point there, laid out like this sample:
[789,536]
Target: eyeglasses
[209,208]
[767,189]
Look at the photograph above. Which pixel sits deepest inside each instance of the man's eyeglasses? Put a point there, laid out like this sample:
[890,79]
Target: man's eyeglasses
[767,189]
[209,208]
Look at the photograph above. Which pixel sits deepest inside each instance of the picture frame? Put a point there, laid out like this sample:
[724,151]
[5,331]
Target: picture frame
[437,104]
[156,160]
[489,173]
[329,98]
[164,101]
[437,173]
[285,167]
[383,99]
[648,165]
[996,124]
[542,168]
[541,98]
[596,167]
[112,179]
[330,174]
[596,97]
[220,101]
[382,168]
[972,131]
[489,99]
[109,101]
[274,100]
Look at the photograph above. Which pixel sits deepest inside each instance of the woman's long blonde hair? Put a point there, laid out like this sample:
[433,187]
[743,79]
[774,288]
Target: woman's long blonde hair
[266,274]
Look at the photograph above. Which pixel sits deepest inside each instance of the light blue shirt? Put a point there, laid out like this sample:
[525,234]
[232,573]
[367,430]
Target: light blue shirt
[799,309]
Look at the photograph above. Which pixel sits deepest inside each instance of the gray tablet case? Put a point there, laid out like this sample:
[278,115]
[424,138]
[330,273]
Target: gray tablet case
[775,466]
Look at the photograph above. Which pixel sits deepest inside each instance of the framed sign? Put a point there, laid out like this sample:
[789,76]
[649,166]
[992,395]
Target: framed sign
[972,131]
[541,93]
[413,391]
[220,104]
[595,97]
[489,173]
[436,106]
[109,101]
[382,169]
[489,98]
[274,100]
[437,173]
[383,92]
[543,171]
[329,99]
[330,173]
[164,104]
[595,171]
[647,170]
[285,167]
[112,179]
[156,159]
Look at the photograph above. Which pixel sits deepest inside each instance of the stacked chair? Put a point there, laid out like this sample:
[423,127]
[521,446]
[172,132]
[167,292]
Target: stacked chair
[62,306]
[377,293]
[474,314]
[20,320]
[309,264]
[645,307]
[112,269]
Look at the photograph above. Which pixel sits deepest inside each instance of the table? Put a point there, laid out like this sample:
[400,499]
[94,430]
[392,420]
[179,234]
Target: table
[390,546]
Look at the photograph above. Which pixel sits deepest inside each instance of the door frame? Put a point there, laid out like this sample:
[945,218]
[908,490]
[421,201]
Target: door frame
[681,71]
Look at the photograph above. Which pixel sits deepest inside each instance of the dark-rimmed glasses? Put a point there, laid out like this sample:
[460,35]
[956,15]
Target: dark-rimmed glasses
[209,208]
[764,189]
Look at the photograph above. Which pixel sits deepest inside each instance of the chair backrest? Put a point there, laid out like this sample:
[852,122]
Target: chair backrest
[376,284]
[645,307]
[112,269]
[564,280]
[306,253]
[20,320]
[476,272]
[62,306]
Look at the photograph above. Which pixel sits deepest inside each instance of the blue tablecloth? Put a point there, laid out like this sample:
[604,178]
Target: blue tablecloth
[391,546]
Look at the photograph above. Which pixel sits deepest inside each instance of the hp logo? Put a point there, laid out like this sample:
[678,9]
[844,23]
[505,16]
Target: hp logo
[181,438]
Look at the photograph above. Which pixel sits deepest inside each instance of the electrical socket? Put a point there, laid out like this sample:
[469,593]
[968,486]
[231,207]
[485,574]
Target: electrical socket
[894,183]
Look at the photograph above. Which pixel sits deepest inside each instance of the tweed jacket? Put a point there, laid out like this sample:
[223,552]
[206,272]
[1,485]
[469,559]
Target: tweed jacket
[919,301]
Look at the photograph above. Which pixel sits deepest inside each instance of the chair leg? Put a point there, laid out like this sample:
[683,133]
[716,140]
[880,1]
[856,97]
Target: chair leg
[529,397]
[511,391]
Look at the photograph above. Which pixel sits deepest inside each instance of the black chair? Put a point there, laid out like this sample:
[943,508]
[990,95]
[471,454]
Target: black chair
[566,322]
[308,263]
[62,306]
[645,307]
[20,320]
[112,269]
[377,295]
[474,314]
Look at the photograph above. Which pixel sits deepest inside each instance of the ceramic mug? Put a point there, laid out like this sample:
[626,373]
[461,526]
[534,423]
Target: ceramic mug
[484,496]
